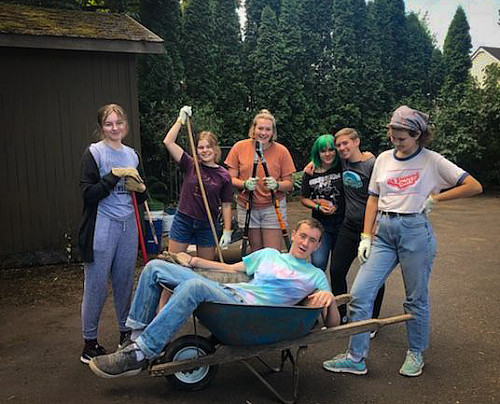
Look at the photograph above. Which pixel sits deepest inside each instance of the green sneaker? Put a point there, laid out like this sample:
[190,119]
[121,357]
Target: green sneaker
[343,364]
[413,364]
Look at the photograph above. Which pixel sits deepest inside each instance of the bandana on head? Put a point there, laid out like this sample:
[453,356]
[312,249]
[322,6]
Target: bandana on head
[410,119]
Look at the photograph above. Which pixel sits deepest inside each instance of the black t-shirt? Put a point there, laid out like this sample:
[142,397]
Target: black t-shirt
[328,186]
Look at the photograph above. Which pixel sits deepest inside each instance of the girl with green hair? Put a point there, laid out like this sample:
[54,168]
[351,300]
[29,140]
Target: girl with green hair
[322,192]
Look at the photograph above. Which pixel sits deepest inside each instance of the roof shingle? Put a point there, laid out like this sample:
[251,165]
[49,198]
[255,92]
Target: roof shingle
[17,19]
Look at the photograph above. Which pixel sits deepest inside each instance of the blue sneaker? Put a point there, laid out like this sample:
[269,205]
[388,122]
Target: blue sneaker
[413,364]
[343,364]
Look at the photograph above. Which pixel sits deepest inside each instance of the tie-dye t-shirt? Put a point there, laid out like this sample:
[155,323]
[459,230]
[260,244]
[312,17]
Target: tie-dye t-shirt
[278,279]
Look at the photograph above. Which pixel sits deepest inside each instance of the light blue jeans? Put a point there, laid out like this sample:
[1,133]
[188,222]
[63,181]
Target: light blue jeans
[409,241]
[190,289]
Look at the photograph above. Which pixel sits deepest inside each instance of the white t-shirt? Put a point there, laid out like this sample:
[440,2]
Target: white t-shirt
[402,185]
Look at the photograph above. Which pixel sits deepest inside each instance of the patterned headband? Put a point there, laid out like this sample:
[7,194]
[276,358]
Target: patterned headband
[410,119]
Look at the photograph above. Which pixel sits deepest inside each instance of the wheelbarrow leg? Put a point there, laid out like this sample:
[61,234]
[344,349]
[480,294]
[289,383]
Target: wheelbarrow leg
[294,360]
[285,354]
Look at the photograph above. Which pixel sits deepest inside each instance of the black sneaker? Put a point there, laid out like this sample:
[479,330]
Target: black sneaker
[120,363]
[91,350]
[125,339]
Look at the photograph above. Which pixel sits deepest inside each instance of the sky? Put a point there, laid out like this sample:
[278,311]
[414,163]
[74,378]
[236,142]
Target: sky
[482,16]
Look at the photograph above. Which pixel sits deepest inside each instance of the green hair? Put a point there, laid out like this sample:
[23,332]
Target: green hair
[321,143]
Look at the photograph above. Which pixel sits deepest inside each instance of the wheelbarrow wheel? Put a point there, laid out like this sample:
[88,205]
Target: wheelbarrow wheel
[185,348]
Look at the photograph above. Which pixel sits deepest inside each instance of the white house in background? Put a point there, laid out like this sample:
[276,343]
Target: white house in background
[481,58]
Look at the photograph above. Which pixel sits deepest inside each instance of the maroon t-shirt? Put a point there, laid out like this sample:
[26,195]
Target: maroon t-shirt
[217,184]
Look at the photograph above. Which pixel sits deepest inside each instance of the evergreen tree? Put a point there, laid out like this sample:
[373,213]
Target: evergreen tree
[456,50]
[420,91]
[315,28]
[457,115]
[198,50]
[297,121]
[344,83]
[159,82]
[373,94]
[253,11]
[230,101]
[389,19]
[265,61]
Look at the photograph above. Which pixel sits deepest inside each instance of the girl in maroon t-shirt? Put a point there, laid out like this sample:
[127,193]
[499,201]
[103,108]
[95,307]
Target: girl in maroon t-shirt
[190,224]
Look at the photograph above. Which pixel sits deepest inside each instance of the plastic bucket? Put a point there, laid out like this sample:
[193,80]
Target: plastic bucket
[168,218]
[157,218]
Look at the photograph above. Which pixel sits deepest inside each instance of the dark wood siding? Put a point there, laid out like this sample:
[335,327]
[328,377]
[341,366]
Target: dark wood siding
[48,108]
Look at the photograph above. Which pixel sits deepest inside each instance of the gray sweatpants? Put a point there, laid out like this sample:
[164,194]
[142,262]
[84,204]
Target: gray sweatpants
[115,254]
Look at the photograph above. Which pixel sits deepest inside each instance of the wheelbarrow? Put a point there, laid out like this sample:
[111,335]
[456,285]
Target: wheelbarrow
[242,332]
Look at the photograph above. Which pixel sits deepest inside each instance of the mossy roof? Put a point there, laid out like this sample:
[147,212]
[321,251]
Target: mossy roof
[25,20]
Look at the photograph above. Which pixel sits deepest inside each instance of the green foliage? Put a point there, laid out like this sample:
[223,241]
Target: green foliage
[230,102]
[198,51]
[390,33]
[318,65]
[160,78]
[456,50]
[467,125]
[457,119]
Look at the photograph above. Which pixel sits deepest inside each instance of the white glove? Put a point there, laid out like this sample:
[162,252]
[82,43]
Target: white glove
[225,240]
[251,183]
[184,113]
[270,183]
[364,247]
[428,205]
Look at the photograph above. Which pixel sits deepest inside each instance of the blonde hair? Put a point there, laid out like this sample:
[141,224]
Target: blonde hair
[104,112]
[263,114]
[212,141]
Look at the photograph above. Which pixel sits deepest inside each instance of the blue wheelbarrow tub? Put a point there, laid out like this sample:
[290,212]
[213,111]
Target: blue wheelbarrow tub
[240,325]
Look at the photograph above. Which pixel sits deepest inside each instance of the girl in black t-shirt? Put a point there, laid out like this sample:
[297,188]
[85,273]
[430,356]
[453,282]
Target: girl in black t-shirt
[323,192]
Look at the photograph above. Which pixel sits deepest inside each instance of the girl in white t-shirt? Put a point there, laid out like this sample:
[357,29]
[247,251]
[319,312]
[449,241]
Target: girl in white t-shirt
[405,184]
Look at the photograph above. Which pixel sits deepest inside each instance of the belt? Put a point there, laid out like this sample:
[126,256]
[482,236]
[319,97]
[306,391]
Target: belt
[393,214]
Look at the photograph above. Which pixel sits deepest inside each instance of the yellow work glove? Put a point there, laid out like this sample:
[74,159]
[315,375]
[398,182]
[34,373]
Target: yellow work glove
[127,172]
[132,185]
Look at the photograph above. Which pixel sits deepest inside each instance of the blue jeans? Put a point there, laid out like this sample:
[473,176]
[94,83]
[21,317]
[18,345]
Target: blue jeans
[186,229]
[409,241]
[190,289]
[319,258]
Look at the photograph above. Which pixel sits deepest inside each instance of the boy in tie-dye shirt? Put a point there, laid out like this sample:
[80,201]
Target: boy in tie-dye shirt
[278,279]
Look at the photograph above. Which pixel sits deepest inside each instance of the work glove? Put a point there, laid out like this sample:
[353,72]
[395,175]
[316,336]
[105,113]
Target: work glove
[180,258]
[184,113]
[364,247]
[225,240]
[271,184]
[428,205]
[127,172]
[251,183]
[132,185]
